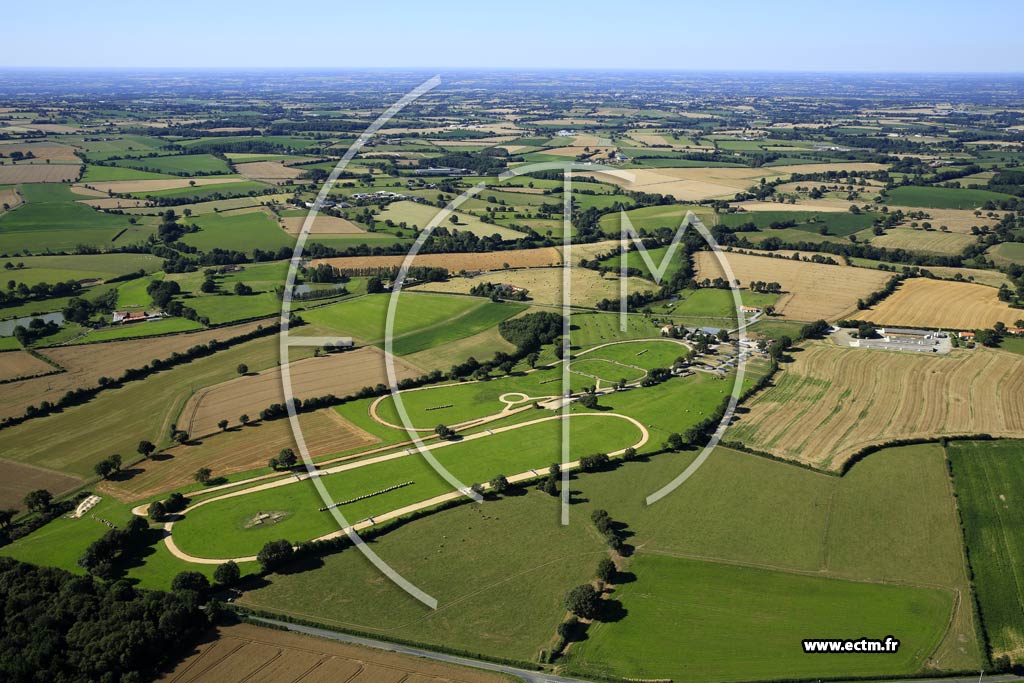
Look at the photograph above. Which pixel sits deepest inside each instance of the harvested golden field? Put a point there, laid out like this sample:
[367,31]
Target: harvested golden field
[113,203]
[86,190]
[340,374]
[10,197]
[591,250]
[931,241]
[243,652]
[495,260]
[15,364]
[941,303]
[128,186]
[17,479]
[831,401]
[240,449]
[992,278]
[690,184]
[545,284]
[38,173]
[323,225]
[957,220]
[268,171]
[44,152]
[86,363]
[812,290]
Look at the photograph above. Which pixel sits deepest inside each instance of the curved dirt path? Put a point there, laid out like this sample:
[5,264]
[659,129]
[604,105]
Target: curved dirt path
[414,507]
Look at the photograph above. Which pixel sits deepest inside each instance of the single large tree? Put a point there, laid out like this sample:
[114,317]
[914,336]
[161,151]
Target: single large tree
[583,601]
[191,581]
[38,500]
[227,573]
[275,554]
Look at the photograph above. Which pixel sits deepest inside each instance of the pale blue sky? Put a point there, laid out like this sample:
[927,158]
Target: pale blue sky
[866,35]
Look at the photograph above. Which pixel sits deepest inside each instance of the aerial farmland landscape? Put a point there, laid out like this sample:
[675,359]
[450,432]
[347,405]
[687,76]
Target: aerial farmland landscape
[555,344]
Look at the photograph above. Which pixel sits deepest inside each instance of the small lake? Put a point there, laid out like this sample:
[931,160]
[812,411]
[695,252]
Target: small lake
[303,290]
[7,326]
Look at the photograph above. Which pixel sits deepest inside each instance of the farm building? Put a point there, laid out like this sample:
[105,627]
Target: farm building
[121,317]
[966,335]
[750,310]
[908,334]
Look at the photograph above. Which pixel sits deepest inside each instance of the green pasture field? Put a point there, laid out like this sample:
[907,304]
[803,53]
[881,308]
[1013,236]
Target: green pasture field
[204,192]
[262,277]
[179,164]
[591,329]
[214,206]
[771,328]
[793,236]
[657,256]
[644,354]
[1013,345]
[102,174]
[452,404]
[218,529]
[421,320]
[283,140]
[118,146]
[942,197]
[714,303]
[524,590]
[244,232]
[652,217]
[9,344]
[839,224]
[606,370]
[63,541]
[136,330]
[711,607]
[989,476]
[675,405]
[78,267]
[133,292]
[225,308]
[1007,252]
[730,495]
[49,221]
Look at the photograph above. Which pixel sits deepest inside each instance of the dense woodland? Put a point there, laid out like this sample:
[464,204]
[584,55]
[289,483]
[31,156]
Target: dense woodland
[62,628]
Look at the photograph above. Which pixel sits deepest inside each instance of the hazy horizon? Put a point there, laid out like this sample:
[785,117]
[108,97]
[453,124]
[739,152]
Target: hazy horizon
[874,37]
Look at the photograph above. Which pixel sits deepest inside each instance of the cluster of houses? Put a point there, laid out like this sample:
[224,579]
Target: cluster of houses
[378,196]
[328,204]
[442,170]
[967,335]
[381,195]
